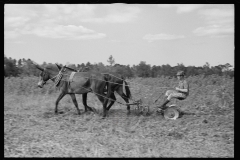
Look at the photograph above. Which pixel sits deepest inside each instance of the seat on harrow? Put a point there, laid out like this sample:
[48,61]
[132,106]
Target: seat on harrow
[180,98]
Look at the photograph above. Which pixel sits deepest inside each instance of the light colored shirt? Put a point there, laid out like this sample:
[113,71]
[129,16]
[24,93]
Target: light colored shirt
[183,84]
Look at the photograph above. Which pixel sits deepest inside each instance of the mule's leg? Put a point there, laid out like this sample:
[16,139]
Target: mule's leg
[84,101]
[110,95]
[112,102]
[75,102]
[62,94]
[105,101]
[120,92]
[104,107]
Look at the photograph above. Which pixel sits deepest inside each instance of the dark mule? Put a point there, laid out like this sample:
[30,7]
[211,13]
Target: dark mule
[116,82]
[82,83]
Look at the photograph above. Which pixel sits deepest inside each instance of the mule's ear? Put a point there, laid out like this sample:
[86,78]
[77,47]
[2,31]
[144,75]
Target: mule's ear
[37,66]
[59,67]
[40,68]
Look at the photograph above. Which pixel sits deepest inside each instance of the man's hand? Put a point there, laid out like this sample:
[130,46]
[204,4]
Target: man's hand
[181,90]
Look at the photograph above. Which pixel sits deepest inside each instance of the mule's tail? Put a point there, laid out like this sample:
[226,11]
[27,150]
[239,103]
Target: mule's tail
[107,79]
[128,93]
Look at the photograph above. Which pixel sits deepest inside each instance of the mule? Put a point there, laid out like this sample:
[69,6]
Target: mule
[116,82]
[82,83]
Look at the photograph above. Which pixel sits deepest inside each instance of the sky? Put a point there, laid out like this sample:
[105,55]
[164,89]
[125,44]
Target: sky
[158,34]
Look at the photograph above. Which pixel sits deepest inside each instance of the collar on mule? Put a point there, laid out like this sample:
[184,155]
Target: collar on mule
[58,79]
[60,75]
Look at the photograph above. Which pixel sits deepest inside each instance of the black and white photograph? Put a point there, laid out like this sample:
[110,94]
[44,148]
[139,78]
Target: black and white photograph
[119,80]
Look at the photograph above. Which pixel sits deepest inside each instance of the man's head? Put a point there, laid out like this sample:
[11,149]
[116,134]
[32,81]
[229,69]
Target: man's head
[180,75]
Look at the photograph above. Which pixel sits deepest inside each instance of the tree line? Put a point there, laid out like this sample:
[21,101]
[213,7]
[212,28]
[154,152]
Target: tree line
[24,67]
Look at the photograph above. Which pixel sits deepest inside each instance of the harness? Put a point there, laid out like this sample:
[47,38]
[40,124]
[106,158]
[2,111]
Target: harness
[71,78]
[58,77]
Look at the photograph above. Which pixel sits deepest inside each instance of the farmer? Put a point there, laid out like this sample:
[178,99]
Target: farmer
[180,92]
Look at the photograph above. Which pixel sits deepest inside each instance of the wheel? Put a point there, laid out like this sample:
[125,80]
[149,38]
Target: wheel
[178,108]
[171,113]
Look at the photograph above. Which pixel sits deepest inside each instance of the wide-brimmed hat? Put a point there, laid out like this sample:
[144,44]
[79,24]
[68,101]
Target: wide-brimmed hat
[180,73]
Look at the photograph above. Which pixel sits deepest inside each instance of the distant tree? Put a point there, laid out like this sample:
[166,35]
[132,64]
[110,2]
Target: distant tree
[111,60]
[166,70]
[129,73]
[89,66]
[82,66]
[78,66]
[216,70]
[143,69]
[120,69]
[134,70]
[19,63]
[206,69]
[14,62]
[155,71]
[26,67]
[226,69]
[199,70]
[10,67]
[101,67]
[19,66]
[190,71]
[231,73]
[180,66]
[13,67]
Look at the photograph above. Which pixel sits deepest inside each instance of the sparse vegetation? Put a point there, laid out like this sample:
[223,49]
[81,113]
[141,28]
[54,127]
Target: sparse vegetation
[31,129]
[23,67]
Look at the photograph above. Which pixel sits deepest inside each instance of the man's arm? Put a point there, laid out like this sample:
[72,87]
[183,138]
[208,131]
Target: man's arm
[186,87]
[181,90]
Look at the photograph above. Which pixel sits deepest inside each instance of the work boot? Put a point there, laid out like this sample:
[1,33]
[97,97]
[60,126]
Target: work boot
[160,108]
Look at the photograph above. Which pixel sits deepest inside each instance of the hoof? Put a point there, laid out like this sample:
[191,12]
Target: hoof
[159,111]
[94,110]
[103,117]
[90,109]
[56,112]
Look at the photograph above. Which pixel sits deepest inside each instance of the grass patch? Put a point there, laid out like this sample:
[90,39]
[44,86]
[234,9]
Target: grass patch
[31,129]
